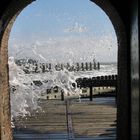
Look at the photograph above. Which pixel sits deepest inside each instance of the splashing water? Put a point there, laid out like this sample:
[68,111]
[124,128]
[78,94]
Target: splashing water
[22,93]
[25,94]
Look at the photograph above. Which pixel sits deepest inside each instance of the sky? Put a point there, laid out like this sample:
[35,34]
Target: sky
[63,30]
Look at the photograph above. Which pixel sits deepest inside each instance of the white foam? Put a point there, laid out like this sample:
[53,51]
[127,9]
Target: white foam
[26,94]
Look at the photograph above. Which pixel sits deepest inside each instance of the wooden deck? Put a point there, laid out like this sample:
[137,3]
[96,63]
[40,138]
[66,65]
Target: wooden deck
[68,120]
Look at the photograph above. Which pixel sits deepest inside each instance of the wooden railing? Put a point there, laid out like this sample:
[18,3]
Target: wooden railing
[99,81]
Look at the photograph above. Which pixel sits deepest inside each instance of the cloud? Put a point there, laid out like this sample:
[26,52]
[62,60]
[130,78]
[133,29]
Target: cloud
[67,49]
[76,28]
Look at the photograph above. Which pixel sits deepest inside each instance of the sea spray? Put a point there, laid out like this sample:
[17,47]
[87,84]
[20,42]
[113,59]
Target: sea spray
[25,94]
[22,93]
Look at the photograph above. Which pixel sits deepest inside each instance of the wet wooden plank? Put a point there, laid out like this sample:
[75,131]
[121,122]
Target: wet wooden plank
[77,121]
[69,122]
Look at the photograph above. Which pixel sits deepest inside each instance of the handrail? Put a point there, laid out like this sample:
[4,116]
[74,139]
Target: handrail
[99,81]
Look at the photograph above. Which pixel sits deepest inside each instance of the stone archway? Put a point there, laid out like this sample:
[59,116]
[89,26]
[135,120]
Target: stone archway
[6,22]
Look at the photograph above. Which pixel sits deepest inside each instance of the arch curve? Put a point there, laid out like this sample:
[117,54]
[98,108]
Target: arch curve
[6,23]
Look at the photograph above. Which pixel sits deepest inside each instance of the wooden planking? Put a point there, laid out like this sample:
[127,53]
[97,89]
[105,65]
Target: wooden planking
[87,120]
[51,118]
[93,120]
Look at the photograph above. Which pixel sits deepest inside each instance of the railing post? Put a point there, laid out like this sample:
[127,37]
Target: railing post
[91,93]
[62,95]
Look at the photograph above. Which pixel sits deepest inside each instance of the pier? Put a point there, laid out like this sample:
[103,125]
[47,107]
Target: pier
[68,120]
[72,118]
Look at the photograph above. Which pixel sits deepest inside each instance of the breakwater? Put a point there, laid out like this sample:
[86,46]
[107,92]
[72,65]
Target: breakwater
[33,66]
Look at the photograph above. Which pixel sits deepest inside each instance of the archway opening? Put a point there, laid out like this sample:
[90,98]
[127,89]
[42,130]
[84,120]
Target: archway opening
[3,44]
[71,44]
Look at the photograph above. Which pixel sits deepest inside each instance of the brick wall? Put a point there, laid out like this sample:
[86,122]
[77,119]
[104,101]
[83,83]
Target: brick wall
[6,22]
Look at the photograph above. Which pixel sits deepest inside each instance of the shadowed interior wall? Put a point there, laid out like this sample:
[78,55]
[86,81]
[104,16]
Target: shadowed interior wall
[135,97]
